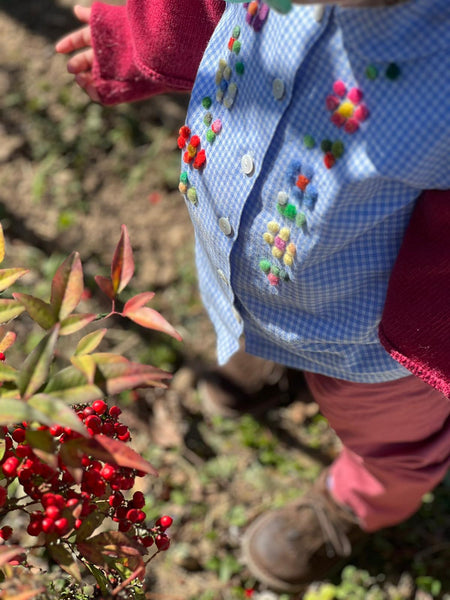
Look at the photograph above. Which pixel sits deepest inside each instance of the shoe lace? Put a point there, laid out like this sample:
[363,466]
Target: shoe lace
[336,540]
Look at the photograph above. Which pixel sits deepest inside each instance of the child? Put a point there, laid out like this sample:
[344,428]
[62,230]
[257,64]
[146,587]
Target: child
[308,141]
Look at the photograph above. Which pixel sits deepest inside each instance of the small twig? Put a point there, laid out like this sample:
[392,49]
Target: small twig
[432,550]
[153,596]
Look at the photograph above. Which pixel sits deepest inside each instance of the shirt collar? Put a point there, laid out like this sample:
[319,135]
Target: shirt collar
[406,31]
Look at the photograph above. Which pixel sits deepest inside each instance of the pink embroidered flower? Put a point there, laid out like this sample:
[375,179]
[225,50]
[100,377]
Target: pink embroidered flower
[347,107]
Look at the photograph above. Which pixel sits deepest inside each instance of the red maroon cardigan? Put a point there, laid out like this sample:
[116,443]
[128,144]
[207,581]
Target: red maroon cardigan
[150,47]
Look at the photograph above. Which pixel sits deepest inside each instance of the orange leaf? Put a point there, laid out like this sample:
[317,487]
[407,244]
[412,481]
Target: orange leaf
[7,341]
[122,267]
[67,286]
[151,319]
[105,284]
[7,553]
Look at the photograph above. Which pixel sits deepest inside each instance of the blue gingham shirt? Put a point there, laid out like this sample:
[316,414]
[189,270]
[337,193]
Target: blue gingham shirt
[319,309]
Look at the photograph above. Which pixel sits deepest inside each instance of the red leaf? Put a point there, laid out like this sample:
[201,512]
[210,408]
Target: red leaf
[151,319]
[122,267]
[137,301]
[105,284]
[123,455]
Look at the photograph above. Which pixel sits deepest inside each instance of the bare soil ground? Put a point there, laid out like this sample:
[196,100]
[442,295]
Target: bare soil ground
[70,173]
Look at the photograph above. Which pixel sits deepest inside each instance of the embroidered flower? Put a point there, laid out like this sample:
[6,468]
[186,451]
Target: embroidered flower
[257,13]
[347,108]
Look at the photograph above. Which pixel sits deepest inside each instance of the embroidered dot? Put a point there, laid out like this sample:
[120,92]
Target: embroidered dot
[236,48]
[181,142]
[239,67]
[282,198]
[206,102]
[192,195]
[361,113]
[275,270]
[195,141]
[228,102]
[184,177]
[338,119]
[351,126]
[217,126]
[230,43]
[182,187]
[300,219]
[219,95]
[355,95]
[302,182]
[222,64]
[371,72]
[329,160]
[280,243]
[326,145]
[277,252]
[191,150]
[232,90]
[184,131]
[273,227]
[200,160]
[309,142]
[337,148]
[236,32]
[187,158]
[292,249]
[227,73]
[268,238]
[273,279]
[207,119]
[285,233]
[290,211]
[311,196]
[346,109]
[218,77]
[210,136]
[264,265]
[393,71]
[331,102]
[284,275]
[253,8]
[339,88]
[288,260]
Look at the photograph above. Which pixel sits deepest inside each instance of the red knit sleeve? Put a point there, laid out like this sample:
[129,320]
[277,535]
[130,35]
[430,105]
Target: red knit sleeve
[149,47]
[415,326]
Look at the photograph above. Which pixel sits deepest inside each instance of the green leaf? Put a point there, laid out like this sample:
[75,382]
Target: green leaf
[71,385]
[122,266]
[39,311]
[10,309]
[16,411]
[43,445]
[8,373]
[65,560]
[89,342]
[9,276]
[74,323]
[86,364]
[57,411]
[89,525]
[35,369]
[67,286]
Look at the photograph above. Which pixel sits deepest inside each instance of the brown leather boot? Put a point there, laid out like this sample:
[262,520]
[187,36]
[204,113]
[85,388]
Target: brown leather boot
[289,548]
[248,384]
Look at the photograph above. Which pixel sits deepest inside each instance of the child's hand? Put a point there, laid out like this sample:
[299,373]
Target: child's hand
[80,65]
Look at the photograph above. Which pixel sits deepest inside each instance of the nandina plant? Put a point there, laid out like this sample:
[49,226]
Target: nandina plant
[66,465]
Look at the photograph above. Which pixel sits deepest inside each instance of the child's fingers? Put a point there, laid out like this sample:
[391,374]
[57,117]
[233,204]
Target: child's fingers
[74,41]
[81,63]
[84,80]
[82,13]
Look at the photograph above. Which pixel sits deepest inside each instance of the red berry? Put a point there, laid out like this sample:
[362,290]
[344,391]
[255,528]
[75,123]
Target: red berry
[146,541]
[56,430]
[6,532]
[62,525]
[2,356]
[165,521]
[115,411]
[116,499]
[124,526]
[23,451]
[94,423]
[34,527]
[124,437]
[162,542]
[185,131]
[48,525]
[99,406]
[18,435]
[78,523]
[52,512]
[138,500]
[133,515]
[108,428]
[88,411]
[108,472]
[72,502]
[10,466]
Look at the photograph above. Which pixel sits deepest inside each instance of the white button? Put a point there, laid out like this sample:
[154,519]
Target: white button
[319,11]
[222,276]
[278,88]
[247,164]
[225,226]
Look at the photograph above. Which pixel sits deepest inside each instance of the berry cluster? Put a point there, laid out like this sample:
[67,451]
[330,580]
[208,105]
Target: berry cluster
[60,502]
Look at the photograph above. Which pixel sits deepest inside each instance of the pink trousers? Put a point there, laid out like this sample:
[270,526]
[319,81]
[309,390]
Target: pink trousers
[396,444]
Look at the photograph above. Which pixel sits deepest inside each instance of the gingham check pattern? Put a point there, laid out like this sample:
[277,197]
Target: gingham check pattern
[325,318]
